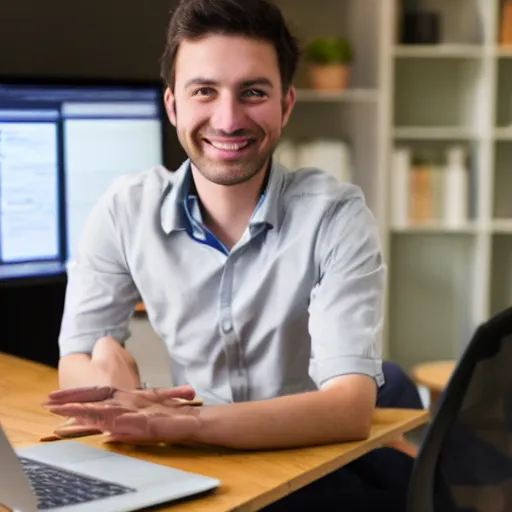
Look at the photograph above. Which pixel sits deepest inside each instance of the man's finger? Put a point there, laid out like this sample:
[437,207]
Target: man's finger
[84,394]
[173,402]
[100,393]
[163,394]
[90,414]
[79,409]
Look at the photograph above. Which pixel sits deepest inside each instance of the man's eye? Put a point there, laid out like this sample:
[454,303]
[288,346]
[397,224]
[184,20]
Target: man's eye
[203,91]
[254,93]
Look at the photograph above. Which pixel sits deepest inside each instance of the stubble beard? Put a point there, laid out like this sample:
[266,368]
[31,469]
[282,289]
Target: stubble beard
[230,174]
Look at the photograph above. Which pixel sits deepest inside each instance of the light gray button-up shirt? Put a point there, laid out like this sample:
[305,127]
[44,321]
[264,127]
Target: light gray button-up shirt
[297,301]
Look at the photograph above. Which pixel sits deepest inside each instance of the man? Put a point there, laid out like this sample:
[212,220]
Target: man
[266,286]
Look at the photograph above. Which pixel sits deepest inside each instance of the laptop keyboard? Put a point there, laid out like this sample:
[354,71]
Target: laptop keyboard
[56,487]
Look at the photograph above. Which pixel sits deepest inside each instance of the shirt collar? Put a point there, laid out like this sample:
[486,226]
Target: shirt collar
[173,216]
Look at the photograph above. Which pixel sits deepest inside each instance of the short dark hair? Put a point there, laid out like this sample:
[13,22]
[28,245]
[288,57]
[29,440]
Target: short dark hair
[258,19]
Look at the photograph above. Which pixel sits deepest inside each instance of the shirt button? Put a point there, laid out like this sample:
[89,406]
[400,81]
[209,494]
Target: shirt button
[227,326]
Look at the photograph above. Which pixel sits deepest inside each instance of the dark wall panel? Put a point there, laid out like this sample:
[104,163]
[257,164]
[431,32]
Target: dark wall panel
[114,38]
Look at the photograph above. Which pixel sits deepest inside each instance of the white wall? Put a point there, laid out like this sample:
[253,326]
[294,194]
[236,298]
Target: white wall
[149,352]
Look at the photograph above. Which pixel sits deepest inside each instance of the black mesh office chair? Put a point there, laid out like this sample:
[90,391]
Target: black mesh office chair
[465,460]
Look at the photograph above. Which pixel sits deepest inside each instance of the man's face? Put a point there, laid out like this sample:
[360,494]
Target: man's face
[228,106]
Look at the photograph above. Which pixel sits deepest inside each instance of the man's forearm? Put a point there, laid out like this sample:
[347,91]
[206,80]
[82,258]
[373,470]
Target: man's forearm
[319,417]
[110,365]
[76,370]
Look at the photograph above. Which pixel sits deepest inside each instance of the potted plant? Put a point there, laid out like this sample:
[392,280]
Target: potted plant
[329,60]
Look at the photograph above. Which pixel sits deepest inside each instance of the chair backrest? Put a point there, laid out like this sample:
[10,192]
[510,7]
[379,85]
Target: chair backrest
[465,460]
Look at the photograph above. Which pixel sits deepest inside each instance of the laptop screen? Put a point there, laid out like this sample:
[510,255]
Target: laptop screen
[61,145]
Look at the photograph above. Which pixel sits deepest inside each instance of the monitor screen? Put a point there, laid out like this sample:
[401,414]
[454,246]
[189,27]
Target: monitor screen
[61,146]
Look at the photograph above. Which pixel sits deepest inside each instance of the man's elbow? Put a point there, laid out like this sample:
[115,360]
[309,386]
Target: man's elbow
[357,424]
[357,395]
[362,424]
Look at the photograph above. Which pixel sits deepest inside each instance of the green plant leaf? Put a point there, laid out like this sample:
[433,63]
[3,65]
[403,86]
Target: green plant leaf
[325,50]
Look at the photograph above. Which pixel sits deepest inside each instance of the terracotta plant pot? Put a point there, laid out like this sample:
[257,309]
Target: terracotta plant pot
[328,77]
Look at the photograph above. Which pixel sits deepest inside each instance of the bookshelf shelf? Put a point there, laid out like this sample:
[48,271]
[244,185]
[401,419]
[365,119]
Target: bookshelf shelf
[434,133]
[504,52]
[503,134]
[350,95]
[438,228]
[441,51]
[502,226]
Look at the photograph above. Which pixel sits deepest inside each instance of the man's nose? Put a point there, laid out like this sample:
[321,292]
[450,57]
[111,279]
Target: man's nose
[228,115]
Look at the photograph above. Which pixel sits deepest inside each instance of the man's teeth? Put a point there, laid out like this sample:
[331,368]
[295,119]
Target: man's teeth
[226,146]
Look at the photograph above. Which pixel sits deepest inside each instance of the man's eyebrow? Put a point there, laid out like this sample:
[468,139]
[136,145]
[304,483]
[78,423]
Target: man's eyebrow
[259,81]
[200,81]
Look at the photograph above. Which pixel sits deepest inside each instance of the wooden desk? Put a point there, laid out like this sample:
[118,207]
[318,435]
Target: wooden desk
[250,481]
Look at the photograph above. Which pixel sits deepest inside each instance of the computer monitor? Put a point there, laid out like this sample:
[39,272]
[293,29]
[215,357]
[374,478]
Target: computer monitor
[62,143]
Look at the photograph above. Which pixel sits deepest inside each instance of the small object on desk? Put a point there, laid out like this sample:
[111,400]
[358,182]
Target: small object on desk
[69,435]
[50,438]
[195,401]
[69,430]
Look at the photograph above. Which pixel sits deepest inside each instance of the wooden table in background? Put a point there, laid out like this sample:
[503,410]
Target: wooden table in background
[434,376]
[249,481]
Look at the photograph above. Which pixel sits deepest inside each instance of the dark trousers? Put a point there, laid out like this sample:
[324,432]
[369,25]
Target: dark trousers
[377,481]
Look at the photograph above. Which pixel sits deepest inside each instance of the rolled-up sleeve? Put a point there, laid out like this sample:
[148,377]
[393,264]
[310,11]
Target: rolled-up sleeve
[100,294]
[346,306]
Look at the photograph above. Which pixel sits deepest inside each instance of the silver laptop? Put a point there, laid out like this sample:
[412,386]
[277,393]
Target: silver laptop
[69,476]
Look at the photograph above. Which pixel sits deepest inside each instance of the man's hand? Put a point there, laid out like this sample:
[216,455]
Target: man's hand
[341,411]
[130,416]
[109,365]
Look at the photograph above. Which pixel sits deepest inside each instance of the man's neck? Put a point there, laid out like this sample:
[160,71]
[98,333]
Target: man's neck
[227,210]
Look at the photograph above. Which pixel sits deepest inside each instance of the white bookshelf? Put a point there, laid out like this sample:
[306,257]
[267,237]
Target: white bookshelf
[443,280]
[354,115]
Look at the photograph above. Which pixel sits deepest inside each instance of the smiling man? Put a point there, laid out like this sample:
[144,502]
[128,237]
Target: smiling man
[228,102]
[265,285]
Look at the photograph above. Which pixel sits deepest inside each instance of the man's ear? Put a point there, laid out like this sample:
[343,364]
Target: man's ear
[288,104]
[170,105]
